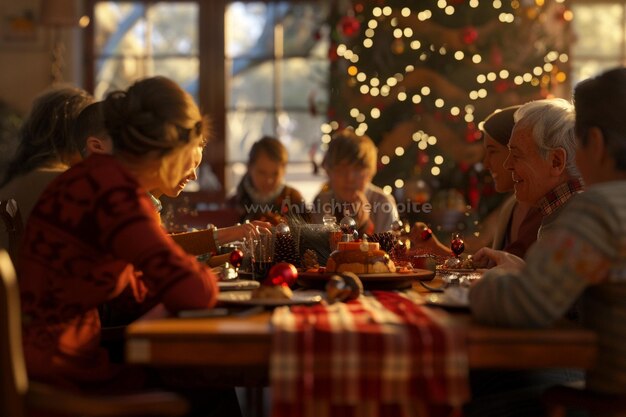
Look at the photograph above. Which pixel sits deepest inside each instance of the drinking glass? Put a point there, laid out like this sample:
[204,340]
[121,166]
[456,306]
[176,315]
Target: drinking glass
[262,256]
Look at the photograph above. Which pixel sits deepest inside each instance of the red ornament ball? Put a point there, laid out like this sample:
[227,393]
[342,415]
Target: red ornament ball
[350,25]
[282,273]
[501,86]
[236,258]
[426,233]
[469,35]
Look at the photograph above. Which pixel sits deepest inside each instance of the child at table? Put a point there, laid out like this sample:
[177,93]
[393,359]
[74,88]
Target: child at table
[262,193]
[94,226]
[350,164]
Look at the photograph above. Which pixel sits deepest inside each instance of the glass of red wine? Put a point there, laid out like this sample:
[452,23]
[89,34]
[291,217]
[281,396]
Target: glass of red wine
[456,244]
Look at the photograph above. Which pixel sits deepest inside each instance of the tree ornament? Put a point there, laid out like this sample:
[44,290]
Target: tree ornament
[236,258]
[426,233]
[495,56]
[397,226]
[350,25]
[282,228]
[347,225]
[501,86]
[282,273]
[469,35]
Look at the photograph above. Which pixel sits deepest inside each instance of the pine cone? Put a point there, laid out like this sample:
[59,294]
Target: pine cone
[310,259]
[285,249]
[386,240]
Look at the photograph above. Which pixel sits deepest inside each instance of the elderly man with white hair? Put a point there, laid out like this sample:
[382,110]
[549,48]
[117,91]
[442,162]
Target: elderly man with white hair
[542,152]
[542,155]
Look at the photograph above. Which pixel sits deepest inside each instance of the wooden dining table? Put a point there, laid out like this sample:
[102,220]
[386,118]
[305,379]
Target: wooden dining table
[243,343]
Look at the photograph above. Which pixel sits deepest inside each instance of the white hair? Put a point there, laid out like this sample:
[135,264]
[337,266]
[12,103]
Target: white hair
[551,122]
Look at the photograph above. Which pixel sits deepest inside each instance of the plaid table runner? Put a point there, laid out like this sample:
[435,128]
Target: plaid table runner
[381,355]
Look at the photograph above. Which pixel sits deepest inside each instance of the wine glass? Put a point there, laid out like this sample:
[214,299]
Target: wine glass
[456,244]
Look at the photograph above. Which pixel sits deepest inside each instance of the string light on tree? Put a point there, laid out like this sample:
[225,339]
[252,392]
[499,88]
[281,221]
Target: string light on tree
[418,77]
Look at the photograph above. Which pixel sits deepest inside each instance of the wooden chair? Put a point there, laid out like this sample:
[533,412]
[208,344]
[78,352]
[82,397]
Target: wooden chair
[13,224]
[18,396]
[561,398]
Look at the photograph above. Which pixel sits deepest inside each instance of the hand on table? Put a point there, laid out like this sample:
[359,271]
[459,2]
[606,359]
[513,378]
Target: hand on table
[489,258]
[431,245]
[250,230]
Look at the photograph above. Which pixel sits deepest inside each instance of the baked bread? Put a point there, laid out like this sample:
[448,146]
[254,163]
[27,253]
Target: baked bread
[360,258]
[281,292]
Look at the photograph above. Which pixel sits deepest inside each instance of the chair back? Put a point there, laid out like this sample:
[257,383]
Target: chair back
[13,378]
[13,225]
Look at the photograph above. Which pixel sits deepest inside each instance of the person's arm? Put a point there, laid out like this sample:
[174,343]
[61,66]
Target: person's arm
[575,255]
[131,232]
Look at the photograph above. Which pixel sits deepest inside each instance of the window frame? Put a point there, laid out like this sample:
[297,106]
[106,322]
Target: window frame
[211,85]
[211,78]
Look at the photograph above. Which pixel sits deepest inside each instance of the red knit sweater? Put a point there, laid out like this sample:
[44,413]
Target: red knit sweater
[93,227]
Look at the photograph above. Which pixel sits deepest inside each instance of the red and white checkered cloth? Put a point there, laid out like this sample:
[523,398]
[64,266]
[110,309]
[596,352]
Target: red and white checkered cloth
[381,355]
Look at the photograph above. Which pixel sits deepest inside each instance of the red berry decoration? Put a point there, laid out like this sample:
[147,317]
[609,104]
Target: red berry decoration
[282,273]
[236,258]
[426,233]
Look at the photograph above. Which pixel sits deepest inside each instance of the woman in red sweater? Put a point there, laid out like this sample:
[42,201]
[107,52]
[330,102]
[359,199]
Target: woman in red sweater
[95,228]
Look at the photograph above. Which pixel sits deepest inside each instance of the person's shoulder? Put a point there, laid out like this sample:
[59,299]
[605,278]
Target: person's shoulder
[374,192]
[293,193]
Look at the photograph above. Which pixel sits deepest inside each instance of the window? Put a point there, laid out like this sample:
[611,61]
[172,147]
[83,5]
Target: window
[273,80]
[134,40]
[277,71]
[599,37]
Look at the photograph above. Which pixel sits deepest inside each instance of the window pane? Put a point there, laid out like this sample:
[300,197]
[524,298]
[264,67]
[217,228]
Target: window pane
[175,28]
[251,84]
[598,29]
[300,133]
[302,25]
[112,21]
[243,129]
[182,70]
[304,84]
[115,73]
[257,39]
[582,69]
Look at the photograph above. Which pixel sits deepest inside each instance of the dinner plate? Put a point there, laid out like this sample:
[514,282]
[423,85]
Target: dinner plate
[381,281]
[238,285]
[245,298]
[452,297]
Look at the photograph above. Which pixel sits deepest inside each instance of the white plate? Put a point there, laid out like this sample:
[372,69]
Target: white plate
[452,297]
[238,285]
[244,298]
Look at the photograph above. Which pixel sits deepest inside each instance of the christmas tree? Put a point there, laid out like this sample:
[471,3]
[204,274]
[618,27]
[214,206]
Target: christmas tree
[418,77]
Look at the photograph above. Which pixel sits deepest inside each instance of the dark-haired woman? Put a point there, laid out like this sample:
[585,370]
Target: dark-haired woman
[46,147]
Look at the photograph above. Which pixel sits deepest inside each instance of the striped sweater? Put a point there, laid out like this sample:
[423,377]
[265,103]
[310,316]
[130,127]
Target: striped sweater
[583,257]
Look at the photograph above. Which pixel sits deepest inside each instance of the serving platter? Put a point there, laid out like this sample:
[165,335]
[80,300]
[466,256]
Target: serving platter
[245,298]
[237,285]
[452,298]
[381,281]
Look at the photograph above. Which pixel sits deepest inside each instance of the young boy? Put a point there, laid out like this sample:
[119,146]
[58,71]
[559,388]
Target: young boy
[350,164]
